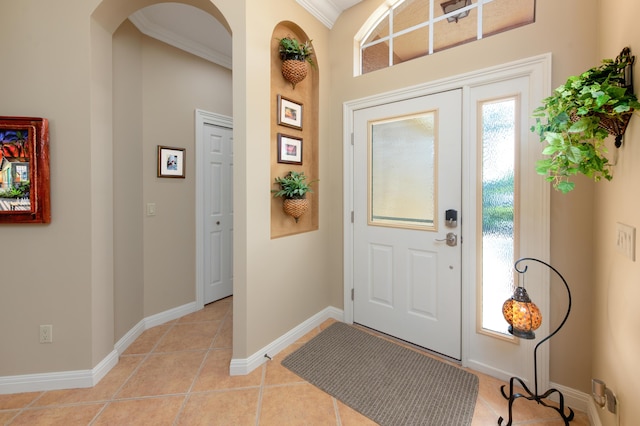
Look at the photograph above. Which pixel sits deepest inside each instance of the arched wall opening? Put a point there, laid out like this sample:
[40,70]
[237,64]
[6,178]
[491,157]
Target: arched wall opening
[143,94]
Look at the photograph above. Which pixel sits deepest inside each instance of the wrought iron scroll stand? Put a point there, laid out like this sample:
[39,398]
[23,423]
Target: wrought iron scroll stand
[539,398]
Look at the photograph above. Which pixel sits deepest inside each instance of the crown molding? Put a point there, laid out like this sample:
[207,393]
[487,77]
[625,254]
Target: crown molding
[325,11]
[166,35]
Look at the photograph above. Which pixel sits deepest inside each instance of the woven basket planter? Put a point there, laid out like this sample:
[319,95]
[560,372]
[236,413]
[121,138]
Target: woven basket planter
[294,71]
[615,125]
[296,207]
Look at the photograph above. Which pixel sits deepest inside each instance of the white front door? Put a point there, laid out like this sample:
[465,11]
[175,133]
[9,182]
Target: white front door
[217,148]
[407,255]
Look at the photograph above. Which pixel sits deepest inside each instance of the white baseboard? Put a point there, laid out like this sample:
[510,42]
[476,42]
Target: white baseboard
[89,378]
[572,398]
[170,315]
[242,366]
[131,335]
[58,380]
[152,321]
[490,370]
[46,381]
[99,371]
[592,412]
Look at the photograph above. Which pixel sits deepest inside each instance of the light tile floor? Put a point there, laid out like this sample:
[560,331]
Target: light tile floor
[177,374]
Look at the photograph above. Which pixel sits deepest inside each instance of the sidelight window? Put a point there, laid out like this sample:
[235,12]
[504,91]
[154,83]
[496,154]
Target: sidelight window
[499,208]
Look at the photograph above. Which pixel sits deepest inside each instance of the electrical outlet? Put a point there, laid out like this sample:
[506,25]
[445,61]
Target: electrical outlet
[46,333]
[626,240]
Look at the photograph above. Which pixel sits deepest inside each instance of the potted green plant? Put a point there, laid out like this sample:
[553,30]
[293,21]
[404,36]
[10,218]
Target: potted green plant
[294,188]
[577,118]
[295,56]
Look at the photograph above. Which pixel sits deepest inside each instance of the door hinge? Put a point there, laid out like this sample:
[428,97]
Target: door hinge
[352,138]
[352,293]
[352,216]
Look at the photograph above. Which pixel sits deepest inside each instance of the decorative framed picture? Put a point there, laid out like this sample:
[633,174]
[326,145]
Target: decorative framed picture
[289,113]
[170,162]
[24,170]
[289,149]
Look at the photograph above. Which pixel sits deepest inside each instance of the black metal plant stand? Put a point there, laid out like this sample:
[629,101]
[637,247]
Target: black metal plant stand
[539,398]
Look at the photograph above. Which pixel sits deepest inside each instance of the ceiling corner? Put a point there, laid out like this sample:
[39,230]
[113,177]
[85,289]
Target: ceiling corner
[325,11]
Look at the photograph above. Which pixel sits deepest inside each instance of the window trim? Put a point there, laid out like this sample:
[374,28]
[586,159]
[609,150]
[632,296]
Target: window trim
[516,208]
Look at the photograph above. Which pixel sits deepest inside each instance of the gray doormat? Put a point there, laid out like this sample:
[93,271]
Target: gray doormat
[388,383]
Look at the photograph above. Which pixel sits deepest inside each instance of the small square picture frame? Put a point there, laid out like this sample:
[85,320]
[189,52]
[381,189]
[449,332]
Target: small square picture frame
[289,113]
[289,149]
[170,162]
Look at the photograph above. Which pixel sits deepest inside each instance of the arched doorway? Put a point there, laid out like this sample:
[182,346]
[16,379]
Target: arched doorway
[140,102]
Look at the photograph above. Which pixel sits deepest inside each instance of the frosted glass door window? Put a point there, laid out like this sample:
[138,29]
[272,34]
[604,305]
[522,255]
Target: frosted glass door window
[402,171]
[498,209]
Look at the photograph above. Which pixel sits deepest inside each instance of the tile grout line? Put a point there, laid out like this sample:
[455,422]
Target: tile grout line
[26,407]
[260,392]
[197,375]
[336,409]
[135,370]
[210,348]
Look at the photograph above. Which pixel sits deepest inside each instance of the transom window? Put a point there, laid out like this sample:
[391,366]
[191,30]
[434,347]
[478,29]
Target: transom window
[411,29]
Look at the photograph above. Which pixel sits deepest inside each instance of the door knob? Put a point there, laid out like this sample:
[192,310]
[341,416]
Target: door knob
[452,239]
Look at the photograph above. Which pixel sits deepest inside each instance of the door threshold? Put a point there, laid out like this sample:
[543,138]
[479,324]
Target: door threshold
[418,348]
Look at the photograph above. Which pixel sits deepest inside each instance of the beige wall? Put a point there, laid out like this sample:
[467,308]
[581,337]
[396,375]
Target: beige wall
[617,284]
[286,279]
[101,265]
[174,85]
[128,179]
[47,276]
[572,44]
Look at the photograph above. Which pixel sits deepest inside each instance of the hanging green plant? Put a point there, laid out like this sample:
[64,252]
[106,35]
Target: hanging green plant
[577,118]
[294,188]
[295,55]
[293,185]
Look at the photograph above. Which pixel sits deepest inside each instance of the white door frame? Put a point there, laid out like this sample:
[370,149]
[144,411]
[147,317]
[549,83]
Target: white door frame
[539,68]
[201,118]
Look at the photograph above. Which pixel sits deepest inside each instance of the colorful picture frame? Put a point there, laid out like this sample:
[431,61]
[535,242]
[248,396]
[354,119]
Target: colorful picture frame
[171,162]
[289,149]
[24,170]
[289,113]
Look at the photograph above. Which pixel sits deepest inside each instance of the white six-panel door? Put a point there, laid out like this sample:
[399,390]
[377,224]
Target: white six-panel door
[218,204]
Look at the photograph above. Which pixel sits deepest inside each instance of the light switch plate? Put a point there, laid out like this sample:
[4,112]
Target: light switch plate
[626,240]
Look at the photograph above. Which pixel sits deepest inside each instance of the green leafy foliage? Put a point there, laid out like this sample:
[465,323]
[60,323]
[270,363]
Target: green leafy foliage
[21,190]
[293,185]
[570,122]
[290,48]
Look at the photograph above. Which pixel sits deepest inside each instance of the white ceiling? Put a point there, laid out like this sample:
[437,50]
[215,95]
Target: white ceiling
[195,31]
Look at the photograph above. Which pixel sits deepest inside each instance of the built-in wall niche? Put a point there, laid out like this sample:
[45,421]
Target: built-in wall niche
[294,134]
